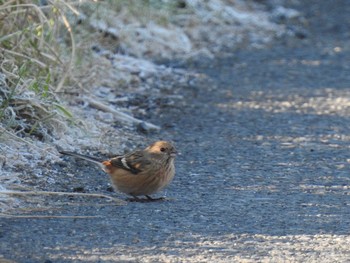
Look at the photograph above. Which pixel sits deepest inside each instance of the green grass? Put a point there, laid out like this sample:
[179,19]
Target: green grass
[36,58]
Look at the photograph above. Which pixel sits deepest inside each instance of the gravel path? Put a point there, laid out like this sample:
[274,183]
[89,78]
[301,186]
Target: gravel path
[263,174]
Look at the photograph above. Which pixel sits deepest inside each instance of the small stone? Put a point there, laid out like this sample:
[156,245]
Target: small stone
[79,189]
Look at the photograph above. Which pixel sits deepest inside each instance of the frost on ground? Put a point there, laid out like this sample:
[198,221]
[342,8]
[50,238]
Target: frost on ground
[196,28]
[232,248]
[121,41]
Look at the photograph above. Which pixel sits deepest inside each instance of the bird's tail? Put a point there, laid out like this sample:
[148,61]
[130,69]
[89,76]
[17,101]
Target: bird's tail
[84,157]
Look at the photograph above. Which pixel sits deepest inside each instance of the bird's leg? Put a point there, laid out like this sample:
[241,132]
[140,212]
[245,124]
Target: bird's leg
[134,198]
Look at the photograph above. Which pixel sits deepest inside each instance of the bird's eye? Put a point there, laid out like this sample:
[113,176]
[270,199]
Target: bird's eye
[162,149]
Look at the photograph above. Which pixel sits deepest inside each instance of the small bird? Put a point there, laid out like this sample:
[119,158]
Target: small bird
[141,172]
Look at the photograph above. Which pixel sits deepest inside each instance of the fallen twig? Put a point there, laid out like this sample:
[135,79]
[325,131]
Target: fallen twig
[9,192]
[118,114]
[45,216]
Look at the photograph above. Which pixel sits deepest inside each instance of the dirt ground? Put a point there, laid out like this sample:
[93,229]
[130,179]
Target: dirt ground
[263,174]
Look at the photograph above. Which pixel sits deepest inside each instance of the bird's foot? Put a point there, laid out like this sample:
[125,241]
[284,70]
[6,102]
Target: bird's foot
[151,199]
[148,199]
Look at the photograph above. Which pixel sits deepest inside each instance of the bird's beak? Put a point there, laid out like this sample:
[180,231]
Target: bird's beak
[173,153]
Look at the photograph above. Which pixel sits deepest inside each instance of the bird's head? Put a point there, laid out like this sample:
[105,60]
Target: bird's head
[162,147]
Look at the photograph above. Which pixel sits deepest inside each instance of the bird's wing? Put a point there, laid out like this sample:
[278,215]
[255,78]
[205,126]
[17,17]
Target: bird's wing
[134,162]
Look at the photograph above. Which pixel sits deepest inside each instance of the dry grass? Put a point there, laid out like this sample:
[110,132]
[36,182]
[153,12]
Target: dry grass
[37,54]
